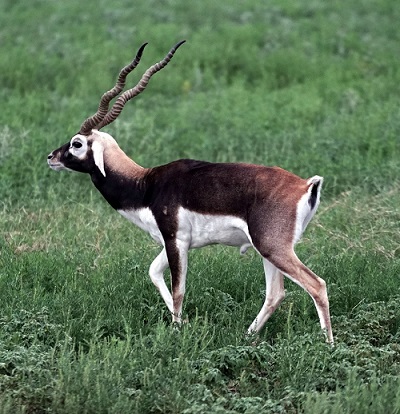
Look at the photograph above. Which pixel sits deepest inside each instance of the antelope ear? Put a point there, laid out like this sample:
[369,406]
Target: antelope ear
[98,150]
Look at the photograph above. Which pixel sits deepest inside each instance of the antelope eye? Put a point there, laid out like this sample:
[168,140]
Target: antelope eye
[77,144]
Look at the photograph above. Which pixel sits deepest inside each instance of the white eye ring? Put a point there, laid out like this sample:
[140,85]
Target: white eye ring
[77,144]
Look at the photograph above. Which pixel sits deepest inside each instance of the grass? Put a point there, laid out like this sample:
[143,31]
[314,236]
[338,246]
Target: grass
[309,86]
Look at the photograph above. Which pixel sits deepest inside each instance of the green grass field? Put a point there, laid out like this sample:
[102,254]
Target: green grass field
[311,86]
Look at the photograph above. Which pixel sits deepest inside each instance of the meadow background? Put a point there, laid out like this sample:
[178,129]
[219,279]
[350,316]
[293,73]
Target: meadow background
[311,86]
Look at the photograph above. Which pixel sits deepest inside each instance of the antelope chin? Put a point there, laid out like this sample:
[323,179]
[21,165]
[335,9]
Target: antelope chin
[57,166]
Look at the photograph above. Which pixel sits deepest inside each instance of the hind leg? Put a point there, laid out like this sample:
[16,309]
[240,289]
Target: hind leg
[289,264]
[274,294]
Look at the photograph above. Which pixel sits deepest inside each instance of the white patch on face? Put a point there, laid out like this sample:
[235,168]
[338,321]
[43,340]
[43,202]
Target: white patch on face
[200,230]
[144,219]
[78,146]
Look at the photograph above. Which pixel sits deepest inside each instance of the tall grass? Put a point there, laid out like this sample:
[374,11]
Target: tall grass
[311,86]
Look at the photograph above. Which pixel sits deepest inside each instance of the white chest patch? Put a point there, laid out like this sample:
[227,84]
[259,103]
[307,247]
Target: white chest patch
[195,229]
[144,219]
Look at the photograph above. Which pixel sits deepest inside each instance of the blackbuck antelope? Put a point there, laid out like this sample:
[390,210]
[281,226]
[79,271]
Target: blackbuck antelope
[187,204]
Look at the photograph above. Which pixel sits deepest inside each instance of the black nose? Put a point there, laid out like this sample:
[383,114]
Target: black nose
[50,156]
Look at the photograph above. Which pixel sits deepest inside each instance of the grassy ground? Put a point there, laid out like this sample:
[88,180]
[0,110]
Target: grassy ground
[311,86]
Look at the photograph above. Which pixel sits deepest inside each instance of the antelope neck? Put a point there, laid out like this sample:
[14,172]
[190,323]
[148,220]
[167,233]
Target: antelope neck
[123,186]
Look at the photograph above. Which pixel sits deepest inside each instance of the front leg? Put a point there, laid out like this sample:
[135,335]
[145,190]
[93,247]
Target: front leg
[156,273]
[274,294]
[177,253]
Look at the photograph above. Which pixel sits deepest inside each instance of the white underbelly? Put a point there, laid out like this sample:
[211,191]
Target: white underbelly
[195,229]
[200,230]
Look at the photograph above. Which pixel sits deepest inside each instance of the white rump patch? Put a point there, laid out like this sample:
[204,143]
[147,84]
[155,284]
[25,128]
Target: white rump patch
[304,212]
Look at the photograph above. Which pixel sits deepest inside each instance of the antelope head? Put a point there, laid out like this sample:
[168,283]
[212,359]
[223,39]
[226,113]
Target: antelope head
[84,152]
